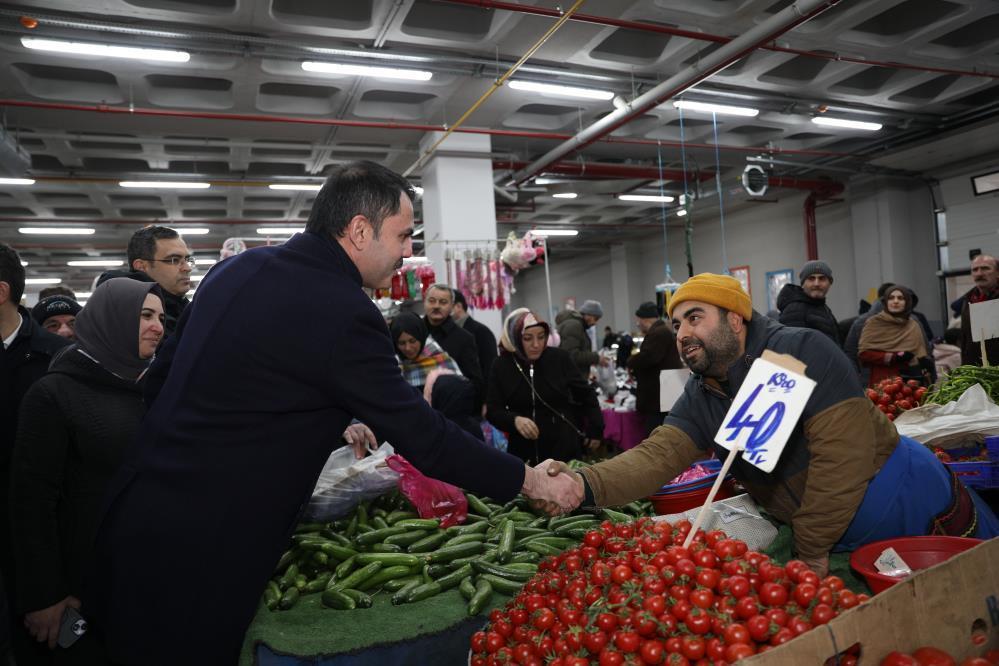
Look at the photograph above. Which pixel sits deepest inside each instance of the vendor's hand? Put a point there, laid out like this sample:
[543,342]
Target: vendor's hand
[554,488]
[820,565]
[604,361]
[43,625]
[591,444]
[527,428]
[359,436]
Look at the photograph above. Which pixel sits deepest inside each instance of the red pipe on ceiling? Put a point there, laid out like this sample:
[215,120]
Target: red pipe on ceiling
[705,36]
[335,122]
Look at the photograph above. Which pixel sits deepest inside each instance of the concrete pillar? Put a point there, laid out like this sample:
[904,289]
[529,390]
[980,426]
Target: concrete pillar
[458,201]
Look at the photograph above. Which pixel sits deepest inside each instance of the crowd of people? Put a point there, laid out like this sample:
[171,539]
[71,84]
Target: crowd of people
[147,428]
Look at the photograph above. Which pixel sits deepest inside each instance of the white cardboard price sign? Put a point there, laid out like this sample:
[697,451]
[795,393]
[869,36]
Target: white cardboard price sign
[984,320]
[765,410]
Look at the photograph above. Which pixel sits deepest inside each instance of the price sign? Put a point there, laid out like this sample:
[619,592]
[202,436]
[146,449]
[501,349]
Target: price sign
[765,410]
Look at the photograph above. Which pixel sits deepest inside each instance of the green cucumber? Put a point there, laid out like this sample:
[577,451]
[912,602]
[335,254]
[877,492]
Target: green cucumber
[378,523]
[379,535]
[454,552]
[502,585]
[335,537]
[616,516]
[396,516]
[356,578]
[397,584]
[390,559]
[338,600]
[407,538]
[385,574]
[503,572]
[272,595]
[467,588]
[542,549]
[476,505]
[344,568]
[361,600]
[429,543]
[400,596]
[424,591]
[454,578]
[288,599]
[385,548]
[507,535]
[319,583]
[463,538]
[472,528]
[419,523]
[481,595]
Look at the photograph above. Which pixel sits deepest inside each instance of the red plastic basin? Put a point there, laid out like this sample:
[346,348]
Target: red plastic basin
[680,502]
[919,552]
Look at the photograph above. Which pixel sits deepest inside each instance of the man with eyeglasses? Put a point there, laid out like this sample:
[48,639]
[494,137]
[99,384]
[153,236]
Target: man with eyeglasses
[159,254]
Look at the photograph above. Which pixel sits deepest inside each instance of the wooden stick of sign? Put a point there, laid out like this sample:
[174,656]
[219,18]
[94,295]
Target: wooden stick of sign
[985,357]
[711,496]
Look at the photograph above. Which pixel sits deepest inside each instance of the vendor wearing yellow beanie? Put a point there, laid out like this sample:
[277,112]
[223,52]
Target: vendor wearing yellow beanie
[720,290]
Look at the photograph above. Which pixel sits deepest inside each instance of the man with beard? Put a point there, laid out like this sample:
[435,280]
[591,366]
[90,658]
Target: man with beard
[985,273]
[837,481]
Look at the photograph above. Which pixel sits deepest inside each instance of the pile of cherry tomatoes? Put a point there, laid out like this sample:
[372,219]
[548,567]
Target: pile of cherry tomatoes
[894,396]
[631,594]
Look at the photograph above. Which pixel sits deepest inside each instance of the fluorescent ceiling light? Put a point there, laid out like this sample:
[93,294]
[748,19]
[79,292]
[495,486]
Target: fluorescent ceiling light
[17,181]
[105,50]
[418,190]
[205,262]
[411,261]
[418,232]
[24,263]
[43,281]
[81,302]
[196,278]
[165,184]
[366,70]
[849,124]
[565,195]
[57,231]
[554,232]
[93,263]
[656,198]
[192,231]
[723,109]
[83,294]
[295,187]
[561,91]
[271,231]
[682,212]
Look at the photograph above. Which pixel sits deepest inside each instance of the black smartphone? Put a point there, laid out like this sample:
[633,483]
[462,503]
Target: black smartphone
[72,627]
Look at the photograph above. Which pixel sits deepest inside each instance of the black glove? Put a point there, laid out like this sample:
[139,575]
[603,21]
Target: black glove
[904,357]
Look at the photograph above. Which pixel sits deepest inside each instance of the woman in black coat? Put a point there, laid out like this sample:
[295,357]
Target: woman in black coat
[75,424]
[536,394]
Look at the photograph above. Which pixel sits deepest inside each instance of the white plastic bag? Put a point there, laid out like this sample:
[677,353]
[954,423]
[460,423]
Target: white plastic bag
[973,416]
[346,481]
[738,517]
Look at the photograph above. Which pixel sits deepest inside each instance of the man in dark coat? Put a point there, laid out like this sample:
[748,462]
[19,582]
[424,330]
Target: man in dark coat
[25,355]
[985,273]
[573,330]
[485,341]
[251,408]
[805,306]
[159,254]
[657,353]
[456,341]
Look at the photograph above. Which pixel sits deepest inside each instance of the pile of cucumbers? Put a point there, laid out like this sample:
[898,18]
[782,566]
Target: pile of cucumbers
[383,546]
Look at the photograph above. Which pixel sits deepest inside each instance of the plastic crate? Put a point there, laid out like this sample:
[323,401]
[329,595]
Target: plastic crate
[992,444]
[976,474]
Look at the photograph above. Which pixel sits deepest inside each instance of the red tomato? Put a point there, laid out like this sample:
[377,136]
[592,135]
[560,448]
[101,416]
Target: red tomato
[626,641]
[479,641]
[594,538]
[759,628]
[804,593]
[503,628]
[976,661]
[738,586]
[846,599]
[494,642]
[746,607]
[698,622]
[714,650]
[773,594]
[781,636]
[896,658]
[736,633]
[931,656]
[709,578]
[738,651]
[621,573]
[693,647]
[706,559]
[595,641]
[702,598]
[543,619]
[822,613]
[610,657]
[712,538]
[607,622]
[652,652]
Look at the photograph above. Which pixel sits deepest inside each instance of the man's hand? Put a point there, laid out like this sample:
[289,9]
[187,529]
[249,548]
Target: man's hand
[820,565]
[591,444]
[359,436]
[527,428]
[604,361]
[43,625]
[554,488]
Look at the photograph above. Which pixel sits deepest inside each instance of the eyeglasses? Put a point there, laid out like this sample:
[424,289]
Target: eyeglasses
[176,260]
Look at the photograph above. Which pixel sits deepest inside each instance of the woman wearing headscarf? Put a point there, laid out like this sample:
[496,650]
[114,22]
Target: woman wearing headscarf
[418,353]
[892,344]
[535,393]
[75,424]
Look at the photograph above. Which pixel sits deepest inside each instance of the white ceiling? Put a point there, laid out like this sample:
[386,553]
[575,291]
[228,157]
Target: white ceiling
[246,61]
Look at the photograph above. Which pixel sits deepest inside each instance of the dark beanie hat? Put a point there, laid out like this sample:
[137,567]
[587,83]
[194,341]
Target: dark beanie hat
[813,267]
[54,305]
[647,310]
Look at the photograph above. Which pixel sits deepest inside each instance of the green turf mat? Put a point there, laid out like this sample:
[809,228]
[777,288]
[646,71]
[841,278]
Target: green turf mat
[309,629]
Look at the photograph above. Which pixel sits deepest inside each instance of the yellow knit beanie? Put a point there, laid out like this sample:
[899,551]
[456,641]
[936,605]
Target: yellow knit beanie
[721,290]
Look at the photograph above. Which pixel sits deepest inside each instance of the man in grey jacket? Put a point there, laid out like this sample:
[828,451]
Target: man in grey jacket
[572,329]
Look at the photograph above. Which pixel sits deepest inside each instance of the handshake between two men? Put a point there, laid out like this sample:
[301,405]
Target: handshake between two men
[553,487]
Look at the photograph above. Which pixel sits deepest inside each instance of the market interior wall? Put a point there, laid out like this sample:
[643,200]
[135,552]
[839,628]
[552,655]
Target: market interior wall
[766,236]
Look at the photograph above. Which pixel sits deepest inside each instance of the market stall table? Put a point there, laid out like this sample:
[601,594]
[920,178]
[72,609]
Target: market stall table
[625,429]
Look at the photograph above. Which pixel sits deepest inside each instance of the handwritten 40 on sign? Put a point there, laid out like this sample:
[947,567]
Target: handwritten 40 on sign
[765,411]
